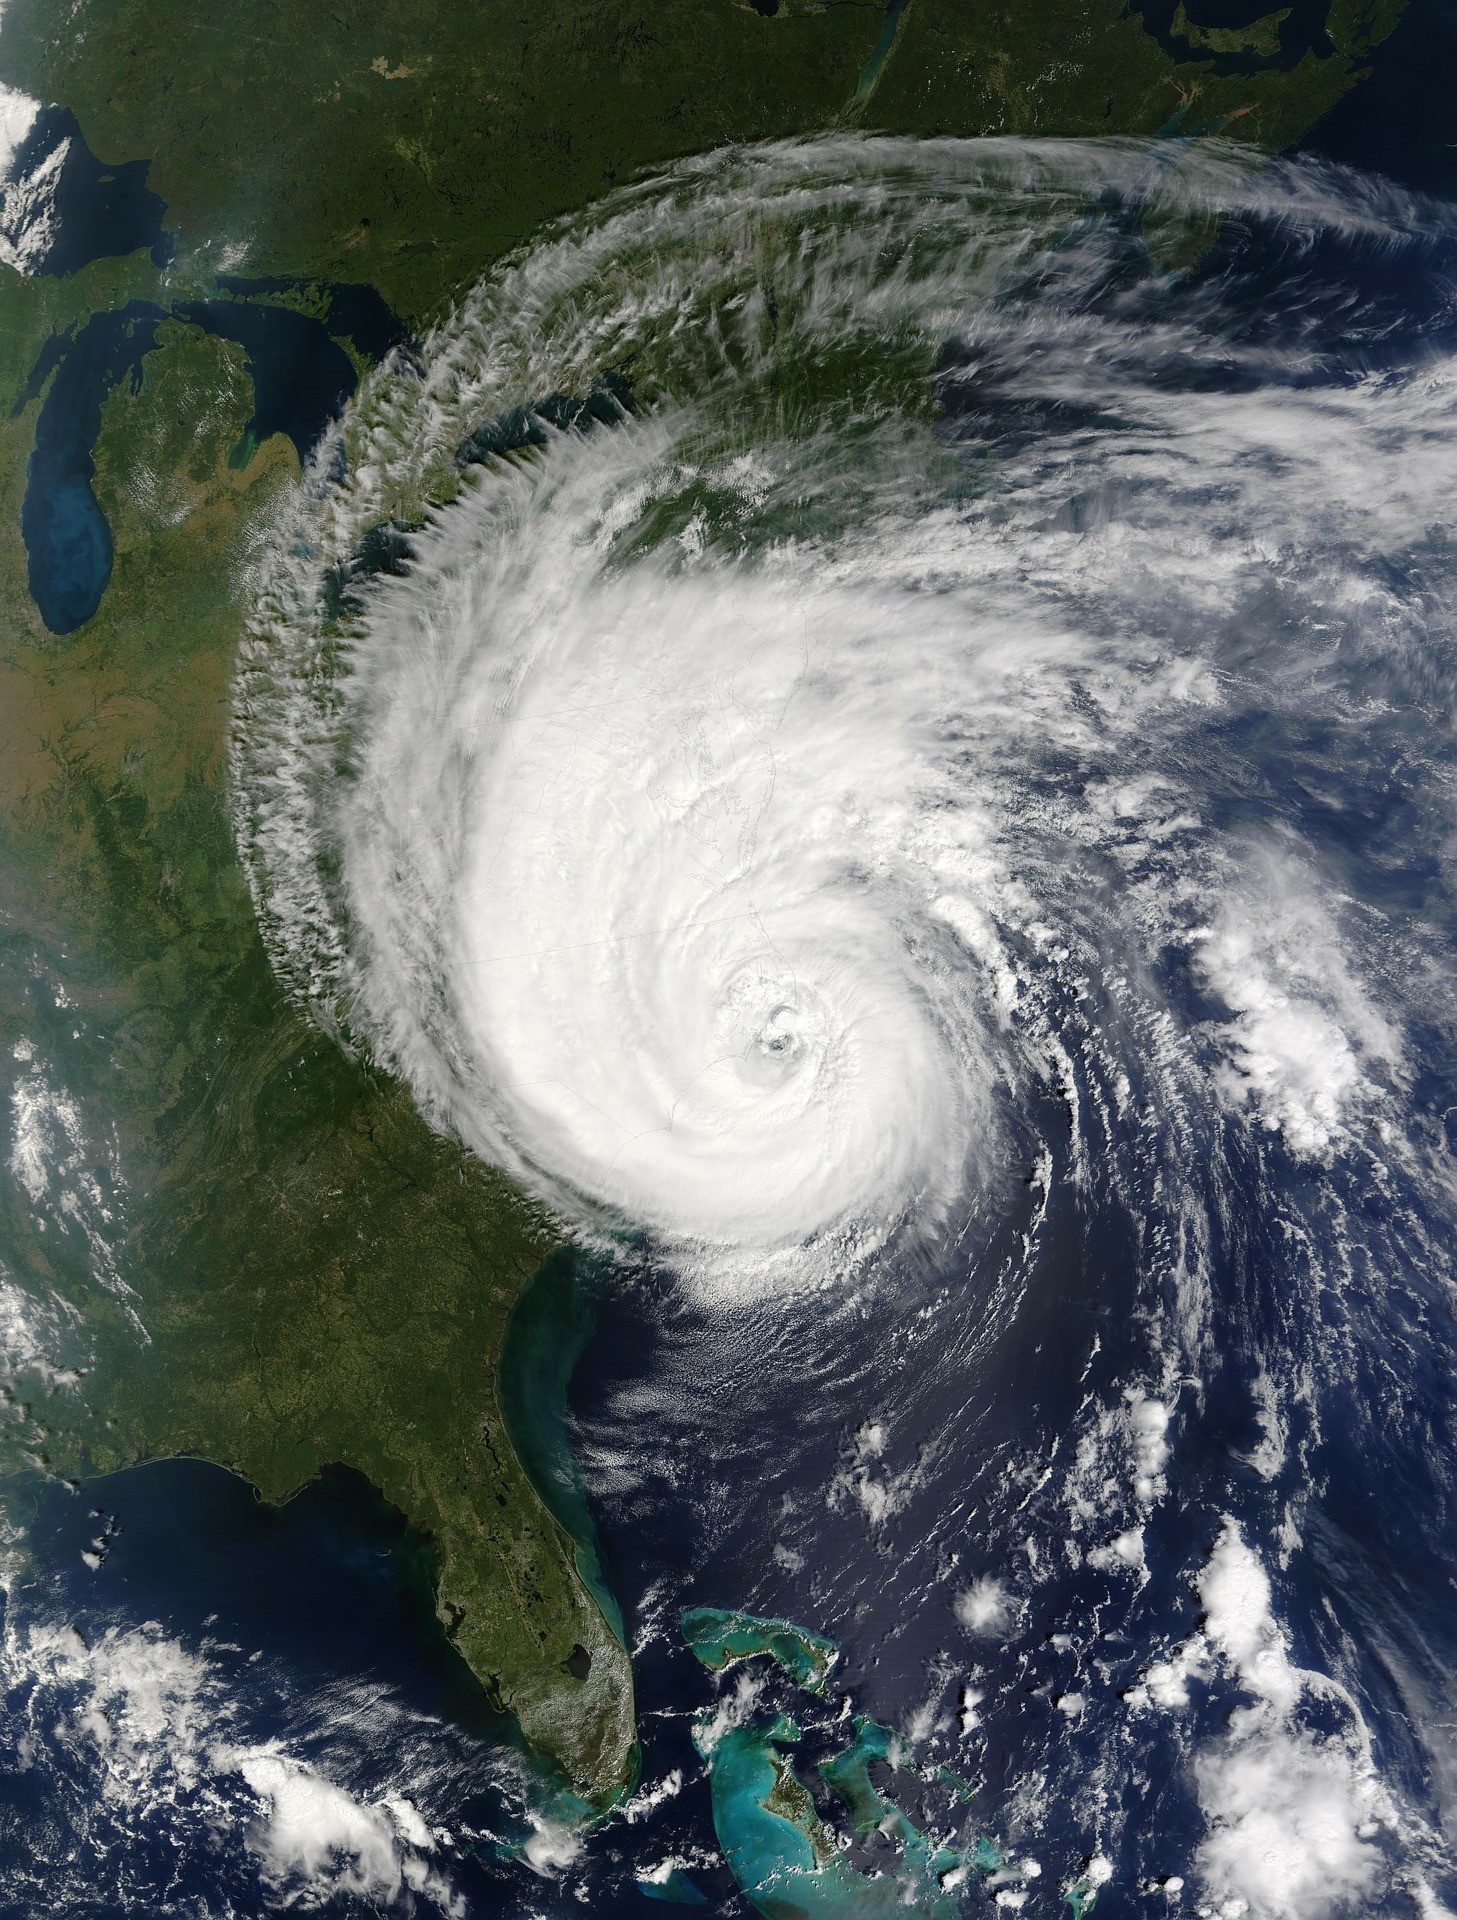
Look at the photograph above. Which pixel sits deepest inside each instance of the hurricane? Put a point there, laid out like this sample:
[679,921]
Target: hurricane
[873,719]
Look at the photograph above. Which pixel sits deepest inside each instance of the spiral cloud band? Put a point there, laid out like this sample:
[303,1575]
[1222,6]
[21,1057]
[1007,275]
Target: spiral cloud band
[668,837]
[809,581]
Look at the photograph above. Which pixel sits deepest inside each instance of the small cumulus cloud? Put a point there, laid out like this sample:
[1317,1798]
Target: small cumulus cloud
[985,1607]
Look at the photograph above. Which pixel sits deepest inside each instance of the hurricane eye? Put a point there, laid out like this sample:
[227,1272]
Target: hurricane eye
[777,1034]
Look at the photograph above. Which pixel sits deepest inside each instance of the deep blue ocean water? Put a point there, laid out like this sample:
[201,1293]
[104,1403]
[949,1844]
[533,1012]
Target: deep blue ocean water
[316,1620]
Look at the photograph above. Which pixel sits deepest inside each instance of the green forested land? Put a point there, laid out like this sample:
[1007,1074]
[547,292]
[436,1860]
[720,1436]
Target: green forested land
[1088,67]
[321,1277]
[409,142]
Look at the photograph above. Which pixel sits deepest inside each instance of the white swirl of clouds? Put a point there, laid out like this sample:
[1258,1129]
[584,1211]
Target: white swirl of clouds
[686,863]
[697,823]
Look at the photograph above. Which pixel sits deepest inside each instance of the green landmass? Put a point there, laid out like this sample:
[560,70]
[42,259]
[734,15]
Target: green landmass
[1090,67]
[410,142]
[721,1636]
[301,1272]
[785,1858]
[319,1275]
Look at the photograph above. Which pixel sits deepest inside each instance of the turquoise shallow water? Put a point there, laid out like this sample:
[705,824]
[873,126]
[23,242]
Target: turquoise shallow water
[549,1328]
[783,1854]
[786,1860]
[721,1635]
